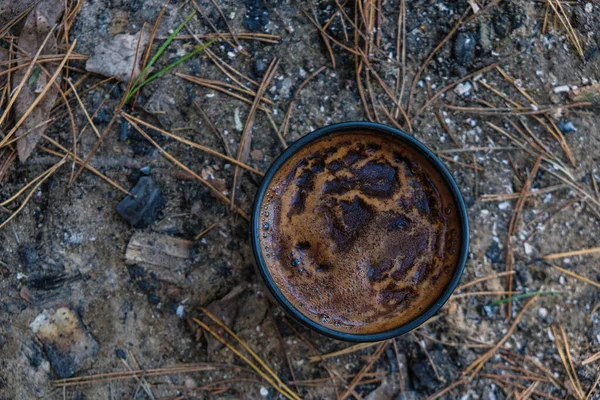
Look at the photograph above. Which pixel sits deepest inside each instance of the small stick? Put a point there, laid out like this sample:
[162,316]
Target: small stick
[576,276]
[430,57]
[24,80]
[483,279]
[217,193]
[374,357]
[130,118]
[46,175]
[514,221]
[213,129]
[476,366]
[452,85]
[204,232]
[80,161]
[572,253]
[512,196]
[246,139]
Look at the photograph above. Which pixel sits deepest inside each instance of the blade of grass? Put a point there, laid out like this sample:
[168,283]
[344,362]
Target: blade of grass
[162,48]
[166,69]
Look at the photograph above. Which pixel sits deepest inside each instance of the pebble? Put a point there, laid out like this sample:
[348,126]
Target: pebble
[562,89]
[464,48]
[144,209]
[494,252]
[589,7]
[121,354]
[528,248]
[463,89]
[264,392]
[66,342]
[542,312]
[286,88]
[566,127]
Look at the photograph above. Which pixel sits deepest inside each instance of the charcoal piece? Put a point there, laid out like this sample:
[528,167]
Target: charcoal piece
[145,208]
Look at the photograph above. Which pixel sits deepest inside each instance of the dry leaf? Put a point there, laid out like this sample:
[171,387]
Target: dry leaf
[37,25]
[115,57]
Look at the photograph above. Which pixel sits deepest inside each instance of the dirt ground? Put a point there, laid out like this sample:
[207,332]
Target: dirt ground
[67,247]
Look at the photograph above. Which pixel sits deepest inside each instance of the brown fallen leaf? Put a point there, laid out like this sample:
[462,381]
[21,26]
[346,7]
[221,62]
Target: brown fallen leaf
[115,57]
[38,24]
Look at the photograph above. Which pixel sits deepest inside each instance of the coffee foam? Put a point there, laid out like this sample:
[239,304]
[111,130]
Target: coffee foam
[360,232]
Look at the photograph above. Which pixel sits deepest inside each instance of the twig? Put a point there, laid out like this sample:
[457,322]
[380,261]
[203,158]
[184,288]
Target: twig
[514,222]
[246,139]
[476,366]
[204,232]
[130,118]
[572,253]
[576,276]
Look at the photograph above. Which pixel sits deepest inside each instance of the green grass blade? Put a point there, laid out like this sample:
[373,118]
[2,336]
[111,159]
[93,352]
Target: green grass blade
[168,68]
[163,47]
[523,296]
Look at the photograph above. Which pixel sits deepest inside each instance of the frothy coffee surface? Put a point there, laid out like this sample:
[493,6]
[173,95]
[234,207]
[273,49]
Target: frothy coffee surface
[360,232]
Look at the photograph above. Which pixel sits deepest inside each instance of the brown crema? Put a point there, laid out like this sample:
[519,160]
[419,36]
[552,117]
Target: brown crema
[360,232]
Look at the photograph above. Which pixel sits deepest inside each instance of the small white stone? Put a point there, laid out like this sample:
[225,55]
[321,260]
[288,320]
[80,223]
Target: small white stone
[179,311]
[562,280]
[505,205]
[230,54]
[550,335]
[264,392]
[528,248]
[589,7]
[463,89]
[562,89]
[542,312]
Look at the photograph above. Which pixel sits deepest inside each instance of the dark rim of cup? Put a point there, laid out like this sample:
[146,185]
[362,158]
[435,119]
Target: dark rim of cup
[285,303]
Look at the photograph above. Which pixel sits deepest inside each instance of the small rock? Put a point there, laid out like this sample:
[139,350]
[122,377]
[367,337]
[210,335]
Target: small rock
[463,89]
[528,248]
[121,354]
[264,392]
[542,312]
[145,170]
[490,311]
[494,252]
[562,89]
[286,88]
[115,57]
[260,66]
[66,342]
[566,127]
[464,48]
[144,209]
[589,7]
